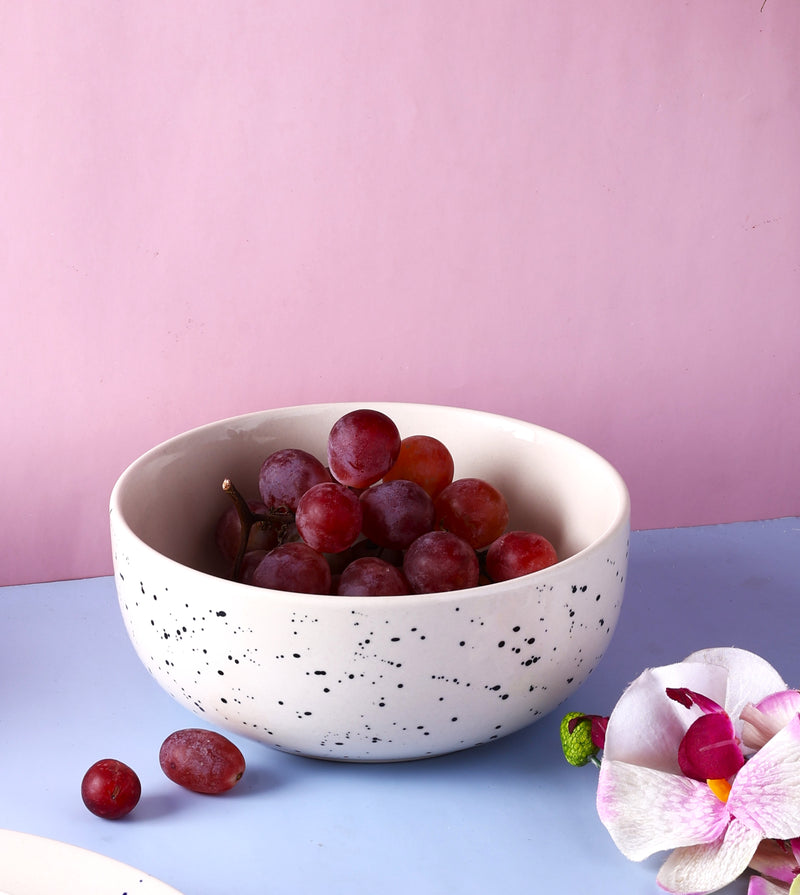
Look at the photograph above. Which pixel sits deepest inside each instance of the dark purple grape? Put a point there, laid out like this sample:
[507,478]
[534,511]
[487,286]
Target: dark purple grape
[329,517]
[250,562]
[286,475]
[293,567]
[517,553]
[229,531]
[363,445]
[440,561]
[201,760]
[474,510]
[110,789]
[396,513]
[371,577]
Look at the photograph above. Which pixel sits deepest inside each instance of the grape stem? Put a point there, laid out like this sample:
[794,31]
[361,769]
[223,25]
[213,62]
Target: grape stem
[247,518]
[281,519]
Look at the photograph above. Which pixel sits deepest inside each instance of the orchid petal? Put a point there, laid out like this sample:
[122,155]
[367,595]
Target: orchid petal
[774,858]
[760,886]
[757,728]
[599,725]
[687,698]
[766,792]
[645,728]
[761,722]
[712,865]
[751,678]
[783,704]
[647,810]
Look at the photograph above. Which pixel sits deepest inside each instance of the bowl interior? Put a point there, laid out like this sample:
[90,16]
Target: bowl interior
[171,497]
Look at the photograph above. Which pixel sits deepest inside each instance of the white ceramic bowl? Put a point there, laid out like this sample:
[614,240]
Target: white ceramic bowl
[369,678]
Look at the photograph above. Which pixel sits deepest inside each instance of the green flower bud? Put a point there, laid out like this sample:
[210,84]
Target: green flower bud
[577,744]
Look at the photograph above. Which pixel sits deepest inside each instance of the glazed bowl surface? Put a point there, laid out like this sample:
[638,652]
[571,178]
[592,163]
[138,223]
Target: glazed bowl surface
[369,678]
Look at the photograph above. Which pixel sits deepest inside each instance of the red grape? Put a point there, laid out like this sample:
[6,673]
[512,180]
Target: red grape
[286,475]
[424,460]
[293,567]
[229,531]
[110,789]
[474,510]
[371,577]
[329,517]
[396,513]
[440,561]
[517,553]
[201,760]
[250,561]
[362,446]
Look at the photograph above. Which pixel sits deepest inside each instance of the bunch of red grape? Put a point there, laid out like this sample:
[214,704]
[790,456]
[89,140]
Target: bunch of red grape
[384,517]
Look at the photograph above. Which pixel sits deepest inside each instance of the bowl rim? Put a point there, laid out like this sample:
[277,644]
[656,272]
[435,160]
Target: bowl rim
[620,522]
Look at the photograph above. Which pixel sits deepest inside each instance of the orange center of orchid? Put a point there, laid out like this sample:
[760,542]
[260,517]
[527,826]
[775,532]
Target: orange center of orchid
[721,788]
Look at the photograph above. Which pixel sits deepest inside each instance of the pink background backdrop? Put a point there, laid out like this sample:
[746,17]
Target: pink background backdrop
[584,214]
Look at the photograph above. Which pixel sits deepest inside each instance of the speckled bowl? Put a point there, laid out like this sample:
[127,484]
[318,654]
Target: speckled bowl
[369,678]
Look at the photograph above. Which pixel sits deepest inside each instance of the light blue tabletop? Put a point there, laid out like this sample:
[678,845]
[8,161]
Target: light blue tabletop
[508,817]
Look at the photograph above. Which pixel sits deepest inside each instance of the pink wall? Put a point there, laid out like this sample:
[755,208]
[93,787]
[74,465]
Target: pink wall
[583,214]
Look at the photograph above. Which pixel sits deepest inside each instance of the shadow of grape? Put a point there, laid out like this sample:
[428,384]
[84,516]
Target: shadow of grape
[256,781]
[153,806]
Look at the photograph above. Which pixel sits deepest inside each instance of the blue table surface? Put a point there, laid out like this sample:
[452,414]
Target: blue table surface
[508,817]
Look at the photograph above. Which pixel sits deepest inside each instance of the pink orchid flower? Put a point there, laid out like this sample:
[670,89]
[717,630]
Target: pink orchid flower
[652,795]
